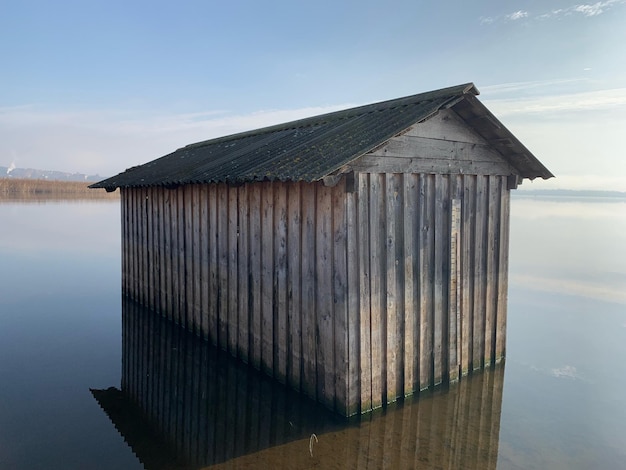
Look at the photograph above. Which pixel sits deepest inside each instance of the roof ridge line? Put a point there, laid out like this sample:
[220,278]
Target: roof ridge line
[466,88]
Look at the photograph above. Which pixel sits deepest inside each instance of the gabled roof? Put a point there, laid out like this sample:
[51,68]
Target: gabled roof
[312,148]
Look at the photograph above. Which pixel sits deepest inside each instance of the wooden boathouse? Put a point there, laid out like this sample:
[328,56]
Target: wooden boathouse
[357,256]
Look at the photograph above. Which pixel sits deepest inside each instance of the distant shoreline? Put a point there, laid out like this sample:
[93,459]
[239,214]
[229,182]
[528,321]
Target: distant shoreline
[20,189]
[575,193]
[13,189]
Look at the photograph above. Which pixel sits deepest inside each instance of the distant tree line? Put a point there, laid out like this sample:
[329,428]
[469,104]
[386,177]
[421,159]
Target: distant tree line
[17,188]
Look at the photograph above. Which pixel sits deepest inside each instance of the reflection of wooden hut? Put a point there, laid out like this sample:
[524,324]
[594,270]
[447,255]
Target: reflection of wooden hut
[183,405]
[357,256]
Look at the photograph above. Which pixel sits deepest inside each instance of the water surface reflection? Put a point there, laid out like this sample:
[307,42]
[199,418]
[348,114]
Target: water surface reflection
[184,404]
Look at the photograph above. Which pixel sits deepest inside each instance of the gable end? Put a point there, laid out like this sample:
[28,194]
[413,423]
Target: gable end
[443,144]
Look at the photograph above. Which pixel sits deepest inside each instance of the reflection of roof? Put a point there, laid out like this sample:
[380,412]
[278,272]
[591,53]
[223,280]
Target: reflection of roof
[151,450]
[312,148]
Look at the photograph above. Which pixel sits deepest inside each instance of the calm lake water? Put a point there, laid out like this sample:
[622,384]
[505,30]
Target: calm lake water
[69,344]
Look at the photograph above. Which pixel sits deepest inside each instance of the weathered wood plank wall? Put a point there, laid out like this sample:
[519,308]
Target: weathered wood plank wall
[260,270]
[355,298]
[438,316]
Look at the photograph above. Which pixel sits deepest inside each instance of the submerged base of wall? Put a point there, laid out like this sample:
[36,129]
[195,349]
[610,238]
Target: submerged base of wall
[135,312]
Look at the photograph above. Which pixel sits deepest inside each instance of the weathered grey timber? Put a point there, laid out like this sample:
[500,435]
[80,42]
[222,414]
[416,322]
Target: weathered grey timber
[358,256]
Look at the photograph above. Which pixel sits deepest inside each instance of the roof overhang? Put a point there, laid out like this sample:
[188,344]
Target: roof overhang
[476,115]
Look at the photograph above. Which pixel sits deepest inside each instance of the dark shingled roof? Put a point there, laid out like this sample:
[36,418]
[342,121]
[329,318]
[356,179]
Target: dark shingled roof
[312,148]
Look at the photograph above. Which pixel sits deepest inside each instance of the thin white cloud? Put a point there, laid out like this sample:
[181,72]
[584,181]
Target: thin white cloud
[584,101]
[528,85]
[518,15]
[595,9]
[585,9]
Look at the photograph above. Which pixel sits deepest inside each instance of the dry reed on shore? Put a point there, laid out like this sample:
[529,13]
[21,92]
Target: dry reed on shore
[22,188]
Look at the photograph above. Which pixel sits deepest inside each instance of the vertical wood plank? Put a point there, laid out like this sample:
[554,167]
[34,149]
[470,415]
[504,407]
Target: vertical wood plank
[176,279]
[197,259]
[174,284]
[243,271]
[156,247]
[280,289]
[411,286]
[363,222]
[161,248]
[458,272]
[149,270]
[445,266]
[178,264]
[294,286]
[222,260]
[125,224]
[453,295]
[130,248]
[468,221]
[182,258]
[427,242]
[440,259]
[139,278]
[493,215]
[204,259]
[138,247]
[140,271]
[503,270]
[139,281]
[339,315]
[152,267]
[480,261]
[377,278]
[233,286]
[254,284]
[393,297]
[324,298]
[167,252]
[309,307]
[189,258]
[267,278]
[213,266]
[132,237]
[353,303]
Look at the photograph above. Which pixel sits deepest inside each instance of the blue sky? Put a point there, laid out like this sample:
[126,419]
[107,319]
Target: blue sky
[99,86]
